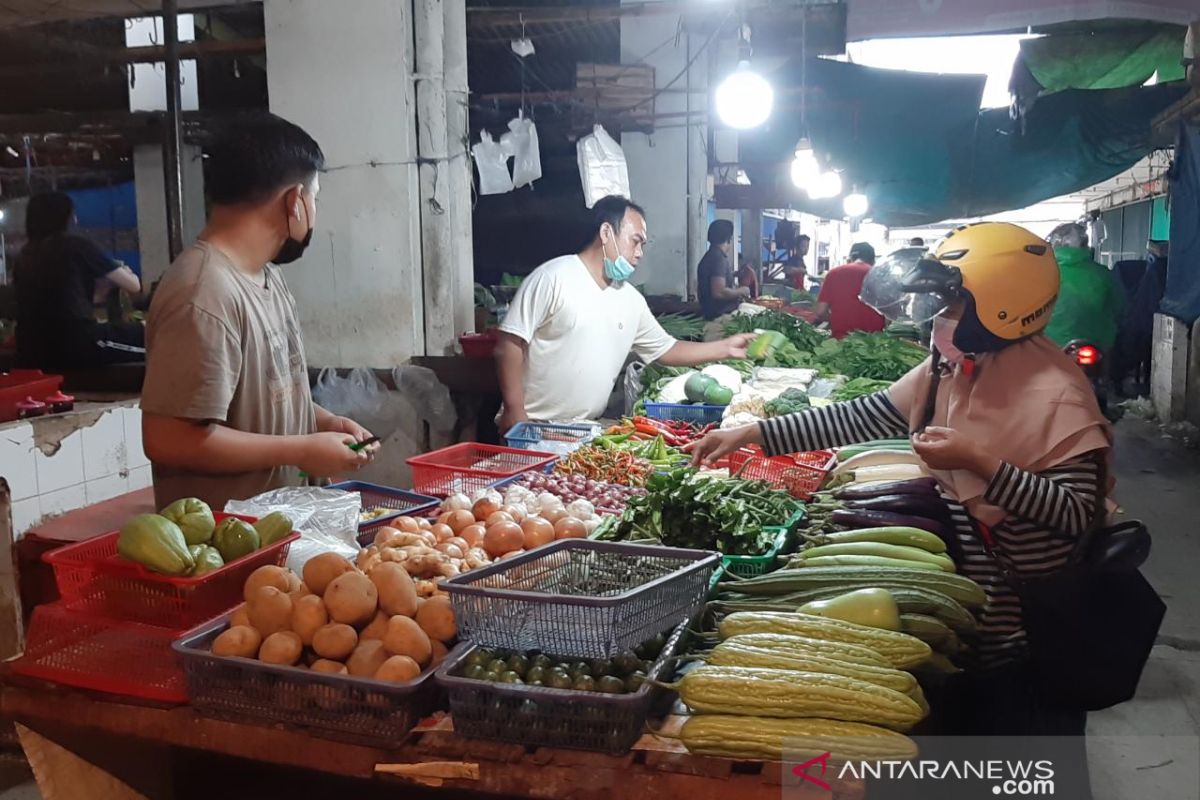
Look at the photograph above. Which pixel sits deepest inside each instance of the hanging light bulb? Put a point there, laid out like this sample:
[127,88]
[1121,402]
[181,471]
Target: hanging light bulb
[855,204]
[827,185]
[805,168]
[744,99]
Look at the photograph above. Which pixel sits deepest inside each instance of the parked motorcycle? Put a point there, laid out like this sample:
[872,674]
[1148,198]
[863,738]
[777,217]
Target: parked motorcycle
[1091,360]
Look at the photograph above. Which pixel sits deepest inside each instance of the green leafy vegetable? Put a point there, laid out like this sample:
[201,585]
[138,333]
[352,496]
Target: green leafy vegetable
[686,508]
[869,355]
[682,326]
[805,337]
[858,388]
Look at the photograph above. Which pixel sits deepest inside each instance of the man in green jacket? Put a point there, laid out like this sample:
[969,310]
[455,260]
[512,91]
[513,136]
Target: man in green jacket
[1089,300]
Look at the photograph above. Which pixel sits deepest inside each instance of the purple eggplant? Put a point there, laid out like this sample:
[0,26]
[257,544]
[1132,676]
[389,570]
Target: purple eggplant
[923,505]
[858,518]
[910,486]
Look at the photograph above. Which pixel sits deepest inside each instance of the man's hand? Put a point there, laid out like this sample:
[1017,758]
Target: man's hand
[328,453]
[946,448]
[744,291]
[718,444]
[509,418]
[737,344]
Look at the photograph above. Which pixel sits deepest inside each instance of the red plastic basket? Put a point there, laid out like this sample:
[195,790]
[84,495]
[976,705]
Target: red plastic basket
[471,466]
[801,474]
[77,648]
[92,577]
[478,345]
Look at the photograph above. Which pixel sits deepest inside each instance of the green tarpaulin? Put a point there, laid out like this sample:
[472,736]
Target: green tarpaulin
[922,151]
[1107,59]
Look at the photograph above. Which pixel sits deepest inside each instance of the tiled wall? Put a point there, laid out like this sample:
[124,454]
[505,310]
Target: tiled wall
[94,463]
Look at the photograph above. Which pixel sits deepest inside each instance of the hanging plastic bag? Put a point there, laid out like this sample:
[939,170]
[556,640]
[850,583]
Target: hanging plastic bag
[521,142]
[602,168]
[492,163]
[359,395]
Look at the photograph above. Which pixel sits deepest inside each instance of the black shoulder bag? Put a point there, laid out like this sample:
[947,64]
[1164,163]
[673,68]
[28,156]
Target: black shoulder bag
[1090,626]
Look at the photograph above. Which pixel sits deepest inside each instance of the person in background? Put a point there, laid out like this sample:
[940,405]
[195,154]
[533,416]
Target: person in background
[1089,303]
[838,302]
[794,269]
[746,276]
[1135,334]
[573,322]
[226,407]
[916,241]
[57,277]
[714,275]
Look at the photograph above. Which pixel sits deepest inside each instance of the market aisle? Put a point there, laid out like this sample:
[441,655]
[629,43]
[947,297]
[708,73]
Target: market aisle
[1149,747]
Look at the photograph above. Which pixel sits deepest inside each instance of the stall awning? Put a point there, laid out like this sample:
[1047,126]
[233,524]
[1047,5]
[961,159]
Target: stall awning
[922,151]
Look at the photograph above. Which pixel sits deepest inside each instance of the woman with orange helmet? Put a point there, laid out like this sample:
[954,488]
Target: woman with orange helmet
[1009,427]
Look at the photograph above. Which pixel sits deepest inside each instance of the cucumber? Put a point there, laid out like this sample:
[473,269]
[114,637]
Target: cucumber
[881,549]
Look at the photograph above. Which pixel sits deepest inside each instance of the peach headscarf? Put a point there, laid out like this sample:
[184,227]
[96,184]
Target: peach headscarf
[1028,404]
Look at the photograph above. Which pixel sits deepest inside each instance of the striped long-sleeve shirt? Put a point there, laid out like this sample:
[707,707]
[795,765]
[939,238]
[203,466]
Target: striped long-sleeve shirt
[1047,511]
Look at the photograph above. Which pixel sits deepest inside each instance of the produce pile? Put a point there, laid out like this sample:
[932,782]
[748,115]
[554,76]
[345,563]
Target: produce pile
[185,540]
[340,621]
[662,384]
[611,465]
[686,327]
[606,498]
[689,508]
[868,355]
[624,674]
[674,433]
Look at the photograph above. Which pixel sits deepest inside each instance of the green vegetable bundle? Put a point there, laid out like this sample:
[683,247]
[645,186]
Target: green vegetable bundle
[686,327]
[869,355]
[859,387]
[803,336]
[685,508]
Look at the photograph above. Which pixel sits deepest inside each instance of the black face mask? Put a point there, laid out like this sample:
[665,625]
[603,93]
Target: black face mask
[291,249]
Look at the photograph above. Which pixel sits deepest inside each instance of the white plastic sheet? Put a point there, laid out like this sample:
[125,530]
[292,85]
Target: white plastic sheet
[492,164]
[521,142]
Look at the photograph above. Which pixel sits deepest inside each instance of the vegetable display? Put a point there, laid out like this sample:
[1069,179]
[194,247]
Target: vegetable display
[340,620]
[686,327]
[791,401]
[606,464]
[868,355]
[606,498]
[686,508]
[185,540]
[859,387]
[624,674]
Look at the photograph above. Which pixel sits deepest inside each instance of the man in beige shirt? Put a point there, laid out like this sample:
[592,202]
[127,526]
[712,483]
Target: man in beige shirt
[226,407]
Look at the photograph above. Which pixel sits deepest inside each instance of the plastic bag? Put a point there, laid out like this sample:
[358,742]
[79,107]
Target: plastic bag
[359,396]
[428,397]
[633,385]
[602,167]
[326,518]
[492,163]
[521,142]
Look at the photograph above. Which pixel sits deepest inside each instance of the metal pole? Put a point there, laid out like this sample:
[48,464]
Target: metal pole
[173,135]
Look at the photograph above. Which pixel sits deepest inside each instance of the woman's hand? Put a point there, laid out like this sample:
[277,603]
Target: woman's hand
[719,444]
[947,449]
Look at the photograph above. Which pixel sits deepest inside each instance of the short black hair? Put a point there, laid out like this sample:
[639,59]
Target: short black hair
[611,209]
[861,251]
[255,159]
[804,237]
[48,214]
[720,231]
[916,241]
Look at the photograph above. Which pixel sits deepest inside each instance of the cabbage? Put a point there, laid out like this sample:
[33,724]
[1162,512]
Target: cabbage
[673,392]
[728,377]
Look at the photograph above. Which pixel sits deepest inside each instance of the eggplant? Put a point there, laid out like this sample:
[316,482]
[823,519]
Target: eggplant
[859,518]
[920,504]
[910,486]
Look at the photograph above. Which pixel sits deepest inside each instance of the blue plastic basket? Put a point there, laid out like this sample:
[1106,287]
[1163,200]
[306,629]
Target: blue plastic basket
[551,437]
[398,502]
[700,413]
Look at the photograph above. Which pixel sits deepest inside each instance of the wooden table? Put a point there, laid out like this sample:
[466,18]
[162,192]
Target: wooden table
[434,756]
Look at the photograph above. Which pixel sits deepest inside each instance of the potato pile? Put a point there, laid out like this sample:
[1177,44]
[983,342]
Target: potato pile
[340,620]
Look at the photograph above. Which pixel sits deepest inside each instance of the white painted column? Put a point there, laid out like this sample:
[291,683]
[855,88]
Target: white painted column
[668,168]
[345,75]
[458,164]
[152,205]
[1168,371]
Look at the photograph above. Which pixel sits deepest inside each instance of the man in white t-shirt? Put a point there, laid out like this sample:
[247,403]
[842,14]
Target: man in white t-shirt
[575,320]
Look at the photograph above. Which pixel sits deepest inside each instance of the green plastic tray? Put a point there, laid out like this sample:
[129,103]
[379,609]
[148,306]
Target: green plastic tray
[750,566]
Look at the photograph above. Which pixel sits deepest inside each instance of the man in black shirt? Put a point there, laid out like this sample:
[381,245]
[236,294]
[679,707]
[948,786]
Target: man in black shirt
[55,281]
[715,284]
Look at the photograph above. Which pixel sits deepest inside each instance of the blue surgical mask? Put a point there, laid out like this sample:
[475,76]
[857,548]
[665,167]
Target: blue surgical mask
[619,269]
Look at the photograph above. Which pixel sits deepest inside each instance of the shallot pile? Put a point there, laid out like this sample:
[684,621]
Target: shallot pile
[604,498]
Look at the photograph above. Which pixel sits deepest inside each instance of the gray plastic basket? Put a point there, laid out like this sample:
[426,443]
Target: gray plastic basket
[358,710]
[580,598]
[546,717]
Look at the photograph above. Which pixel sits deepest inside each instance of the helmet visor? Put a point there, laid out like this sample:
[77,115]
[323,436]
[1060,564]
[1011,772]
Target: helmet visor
[907,286]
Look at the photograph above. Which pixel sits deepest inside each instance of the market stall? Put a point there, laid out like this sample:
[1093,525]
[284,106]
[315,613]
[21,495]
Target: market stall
[582,612]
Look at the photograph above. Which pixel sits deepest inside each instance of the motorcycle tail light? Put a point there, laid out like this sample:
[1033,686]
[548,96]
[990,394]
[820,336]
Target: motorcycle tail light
[1087,356]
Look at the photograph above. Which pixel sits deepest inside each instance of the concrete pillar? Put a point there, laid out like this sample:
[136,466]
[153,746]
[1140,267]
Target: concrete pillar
[345,76]
[152,205]
[1168,371]
[668,168]
[458,164]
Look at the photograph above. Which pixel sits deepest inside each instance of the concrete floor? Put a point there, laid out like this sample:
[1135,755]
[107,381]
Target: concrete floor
[1149,747]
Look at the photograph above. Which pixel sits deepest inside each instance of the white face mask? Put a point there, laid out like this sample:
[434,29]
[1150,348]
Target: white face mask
[943,339]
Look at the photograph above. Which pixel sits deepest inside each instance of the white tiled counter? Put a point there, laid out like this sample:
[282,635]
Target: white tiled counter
[59,463]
